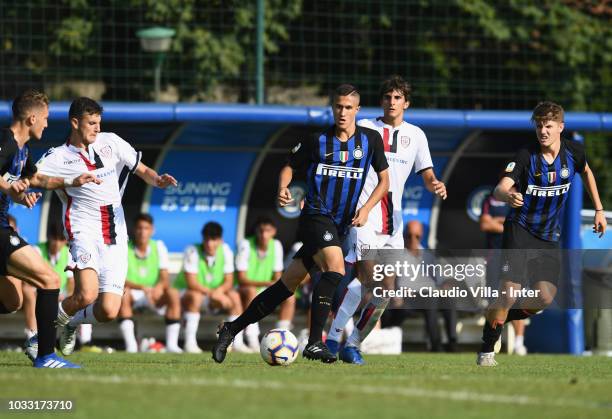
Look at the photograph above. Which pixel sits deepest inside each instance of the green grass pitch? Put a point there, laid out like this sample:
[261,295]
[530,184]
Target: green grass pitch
[412,385]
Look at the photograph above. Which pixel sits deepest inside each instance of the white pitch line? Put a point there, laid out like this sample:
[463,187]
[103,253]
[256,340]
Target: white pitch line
[466,396]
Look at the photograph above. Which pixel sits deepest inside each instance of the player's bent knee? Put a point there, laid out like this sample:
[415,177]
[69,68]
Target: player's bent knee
[108,313]
[85,297]
[173,294]
[49,280]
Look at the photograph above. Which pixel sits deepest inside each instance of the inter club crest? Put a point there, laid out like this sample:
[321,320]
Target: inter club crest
[565,173]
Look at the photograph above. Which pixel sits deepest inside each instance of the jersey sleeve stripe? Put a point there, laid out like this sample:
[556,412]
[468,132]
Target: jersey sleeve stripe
[138,157]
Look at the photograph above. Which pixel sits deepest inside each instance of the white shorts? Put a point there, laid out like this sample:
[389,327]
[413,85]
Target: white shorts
[363,240]
[109,262]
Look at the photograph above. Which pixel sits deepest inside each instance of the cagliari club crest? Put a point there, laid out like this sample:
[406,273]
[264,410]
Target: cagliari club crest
[106,152]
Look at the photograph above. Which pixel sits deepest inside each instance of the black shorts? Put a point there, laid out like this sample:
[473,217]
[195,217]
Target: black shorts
[9,242]
[527,259]
[315,232]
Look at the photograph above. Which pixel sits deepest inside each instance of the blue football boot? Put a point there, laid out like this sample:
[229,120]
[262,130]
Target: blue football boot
[53,361]
[351,355]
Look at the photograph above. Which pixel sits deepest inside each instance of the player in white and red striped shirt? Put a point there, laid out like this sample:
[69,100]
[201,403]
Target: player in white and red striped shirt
[93,218]
[405,148]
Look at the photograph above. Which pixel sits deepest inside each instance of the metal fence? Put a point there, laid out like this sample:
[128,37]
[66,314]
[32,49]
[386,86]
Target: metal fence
[456,53]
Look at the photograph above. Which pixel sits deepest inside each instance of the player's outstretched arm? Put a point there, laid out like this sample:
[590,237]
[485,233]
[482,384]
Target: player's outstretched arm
[41,181]
[432,183]
[151,177]
[599,223]
[284,179]
[503,192]
[361,215]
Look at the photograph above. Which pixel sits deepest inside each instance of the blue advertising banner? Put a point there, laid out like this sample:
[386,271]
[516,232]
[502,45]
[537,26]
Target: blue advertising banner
[210,188]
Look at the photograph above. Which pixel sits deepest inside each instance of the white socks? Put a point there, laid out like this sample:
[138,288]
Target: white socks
[84,316]
[85,331]
[283,324]
[29,333]
[252,331]
[252,334]
[62,317]
[172,336]
[192,321]
[519,340]
[345,312]
[368,318]
[127,331]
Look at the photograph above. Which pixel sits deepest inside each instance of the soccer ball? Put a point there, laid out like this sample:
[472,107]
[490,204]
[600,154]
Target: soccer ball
[279,347]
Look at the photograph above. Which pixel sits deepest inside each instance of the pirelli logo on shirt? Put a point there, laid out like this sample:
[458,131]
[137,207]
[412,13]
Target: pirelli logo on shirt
[547,190]
[339,171]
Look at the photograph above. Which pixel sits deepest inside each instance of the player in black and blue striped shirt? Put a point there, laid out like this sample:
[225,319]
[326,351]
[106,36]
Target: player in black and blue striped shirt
[542,175]
[337,163]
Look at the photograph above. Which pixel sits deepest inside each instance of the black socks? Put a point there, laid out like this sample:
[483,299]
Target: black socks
[46,312]
[490,335]
[261,306]
[322,296]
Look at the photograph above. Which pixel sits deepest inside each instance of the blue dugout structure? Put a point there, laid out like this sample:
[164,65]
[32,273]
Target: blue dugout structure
[226,158]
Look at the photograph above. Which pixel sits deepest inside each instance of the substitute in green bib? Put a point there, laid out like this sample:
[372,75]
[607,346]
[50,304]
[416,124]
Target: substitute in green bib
[259,264]
[148,285]
[207,281]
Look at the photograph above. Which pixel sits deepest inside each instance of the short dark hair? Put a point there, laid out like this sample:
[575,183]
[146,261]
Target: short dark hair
[26,101]
[143,217]
[212,230]
[548,111]
[346,90]
[84,106]
[55,231]
[395,82]
[264,220]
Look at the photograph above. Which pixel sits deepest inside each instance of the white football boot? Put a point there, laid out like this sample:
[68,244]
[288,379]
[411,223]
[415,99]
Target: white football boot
[486,359]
